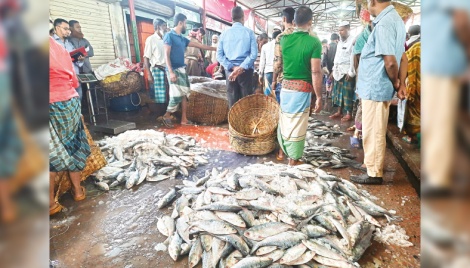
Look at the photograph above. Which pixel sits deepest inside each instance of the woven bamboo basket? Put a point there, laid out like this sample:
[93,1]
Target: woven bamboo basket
[94,162]
[404,11]
[122,84]
[205,109]
[253,123]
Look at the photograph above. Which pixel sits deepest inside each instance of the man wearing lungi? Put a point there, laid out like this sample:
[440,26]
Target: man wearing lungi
[175,45]
[154,62]
[301,57]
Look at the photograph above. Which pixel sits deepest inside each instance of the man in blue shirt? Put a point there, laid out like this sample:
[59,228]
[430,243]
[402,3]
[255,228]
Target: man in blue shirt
[175,45]
[378,78]
[237,52]
[445,51]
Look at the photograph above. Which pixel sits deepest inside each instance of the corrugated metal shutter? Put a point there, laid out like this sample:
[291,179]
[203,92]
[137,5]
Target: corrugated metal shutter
[96,25]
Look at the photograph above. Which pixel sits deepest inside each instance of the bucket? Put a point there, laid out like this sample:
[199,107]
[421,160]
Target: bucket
[125,103]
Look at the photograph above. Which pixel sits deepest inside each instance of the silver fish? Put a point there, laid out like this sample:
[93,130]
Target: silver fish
[167,198]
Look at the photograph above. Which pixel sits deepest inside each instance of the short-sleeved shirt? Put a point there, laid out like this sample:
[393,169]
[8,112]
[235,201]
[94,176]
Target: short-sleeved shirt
[154,50]
[297,50]
[178,45]
[387,39]
[442,53]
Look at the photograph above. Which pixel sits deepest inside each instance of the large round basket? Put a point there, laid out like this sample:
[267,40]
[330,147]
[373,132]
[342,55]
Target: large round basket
[122,84]
[205,109]
[404,11]
[253,122]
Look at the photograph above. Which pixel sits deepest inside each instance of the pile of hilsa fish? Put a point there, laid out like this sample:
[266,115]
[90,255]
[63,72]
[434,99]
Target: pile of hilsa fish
[319,129]
[323,155]
[269,215]
[146,155]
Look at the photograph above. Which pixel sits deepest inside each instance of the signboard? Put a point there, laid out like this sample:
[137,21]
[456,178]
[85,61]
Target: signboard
[216,25]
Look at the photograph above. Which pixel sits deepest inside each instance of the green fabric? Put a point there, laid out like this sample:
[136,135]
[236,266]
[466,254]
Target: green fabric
[343,94]
[361,41]
[297,50]
[293,149]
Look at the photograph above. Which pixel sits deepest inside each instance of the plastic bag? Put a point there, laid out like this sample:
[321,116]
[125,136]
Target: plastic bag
[401,109]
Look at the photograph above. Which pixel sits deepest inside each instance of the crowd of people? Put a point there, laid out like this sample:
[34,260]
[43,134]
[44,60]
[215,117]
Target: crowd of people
[361,74]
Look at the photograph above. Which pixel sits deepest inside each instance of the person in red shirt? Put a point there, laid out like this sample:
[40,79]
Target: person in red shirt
[68,146]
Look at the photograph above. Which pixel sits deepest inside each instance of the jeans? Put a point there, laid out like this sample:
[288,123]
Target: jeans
[241,87]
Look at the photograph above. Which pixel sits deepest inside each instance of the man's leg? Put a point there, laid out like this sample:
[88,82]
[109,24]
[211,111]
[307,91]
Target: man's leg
[233,90]
[374,127]
[245,80]
[75,178]
[438,122]
[184,105]
[348,99]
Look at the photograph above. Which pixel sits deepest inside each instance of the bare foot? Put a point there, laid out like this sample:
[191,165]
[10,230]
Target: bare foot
[336,115]
[346,118]
[293,162]
[280,155]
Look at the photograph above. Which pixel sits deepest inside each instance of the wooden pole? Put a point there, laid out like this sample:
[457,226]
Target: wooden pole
[204,14]
[134,31]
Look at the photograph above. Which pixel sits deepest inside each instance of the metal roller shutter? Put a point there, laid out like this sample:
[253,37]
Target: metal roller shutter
[96,25]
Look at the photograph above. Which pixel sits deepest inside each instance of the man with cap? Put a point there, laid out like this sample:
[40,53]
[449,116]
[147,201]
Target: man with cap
[211,56]
[344,73]
[415,36]
[154,62]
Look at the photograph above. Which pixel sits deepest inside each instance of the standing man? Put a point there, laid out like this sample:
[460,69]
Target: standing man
[237,53]
[344,73]
[377,82]
[62,32]
[301,54]
[330,60]
[266,64]
[154,62]
[211,56]
[78,41]
[194,57]
[415,36]
[175,45]
[278,68]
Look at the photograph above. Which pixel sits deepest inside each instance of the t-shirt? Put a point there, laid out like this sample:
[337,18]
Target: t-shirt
[178,45]
[298,49]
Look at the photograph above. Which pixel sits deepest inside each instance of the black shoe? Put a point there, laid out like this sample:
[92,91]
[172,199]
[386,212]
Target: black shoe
[365,179]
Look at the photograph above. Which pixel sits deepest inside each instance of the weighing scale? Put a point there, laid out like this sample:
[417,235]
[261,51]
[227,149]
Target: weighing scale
[108,126]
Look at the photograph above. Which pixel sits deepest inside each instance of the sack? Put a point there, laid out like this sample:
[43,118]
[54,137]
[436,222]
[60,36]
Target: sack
[401,112]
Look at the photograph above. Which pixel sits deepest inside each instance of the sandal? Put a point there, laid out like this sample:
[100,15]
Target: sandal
[167,122]
[80,198]
[58,208]
[408,139]
[279,156]
[189,123]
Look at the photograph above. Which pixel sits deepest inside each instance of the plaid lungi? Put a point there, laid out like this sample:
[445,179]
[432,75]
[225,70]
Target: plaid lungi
[68,146]
[158,94]
[343,94]
[179,89]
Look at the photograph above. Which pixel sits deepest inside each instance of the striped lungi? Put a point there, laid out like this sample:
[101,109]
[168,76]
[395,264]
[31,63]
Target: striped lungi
[68,146]
[343,94]
[293,120]
[158,94]
[178,89]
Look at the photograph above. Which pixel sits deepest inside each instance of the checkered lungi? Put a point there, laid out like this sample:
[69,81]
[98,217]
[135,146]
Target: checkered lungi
[158,94]
[68,146]
[343,94]
[178,90]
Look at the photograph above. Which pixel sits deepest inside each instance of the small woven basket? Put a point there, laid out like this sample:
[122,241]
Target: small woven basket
[122,84]
[205,109]
[404,11]
[253,123]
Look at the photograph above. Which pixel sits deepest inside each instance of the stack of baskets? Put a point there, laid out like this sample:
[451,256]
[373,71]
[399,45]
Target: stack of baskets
[205,109]
[122,84]
[253,123]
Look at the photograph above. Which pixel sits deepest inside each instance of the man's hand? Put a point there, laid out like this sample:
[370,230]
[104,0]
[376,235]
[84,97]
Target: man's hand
[402,92]
[81,58]
[260,80]
[150,80]
[273,86]
[237,70]
[397,84]
[331,76]
[347,78]
[173,77]
[317,105]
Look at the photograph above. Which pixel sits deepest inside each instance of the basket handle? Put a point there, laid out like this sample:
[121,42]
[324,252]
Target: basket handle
[140,100]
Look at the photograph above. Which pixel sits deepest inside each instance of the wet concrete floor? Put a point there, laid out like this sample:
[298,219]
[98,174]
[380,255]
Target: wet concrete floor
[118,228]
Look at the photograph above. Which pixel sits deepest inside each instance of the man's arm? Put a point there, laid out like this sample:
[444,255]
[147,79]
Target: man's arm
[262,61]
[391,66]
[462,29]
[403,73]
[201,46]
[250,60]
[277,64]
[90,52]
[221,58]
[168,63]
[317,82]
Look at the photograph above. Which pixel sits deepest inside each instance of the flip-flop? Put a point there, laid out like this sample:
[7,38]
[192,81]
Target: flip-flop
[189,123]
[56,209]
[167,122]
[80,198]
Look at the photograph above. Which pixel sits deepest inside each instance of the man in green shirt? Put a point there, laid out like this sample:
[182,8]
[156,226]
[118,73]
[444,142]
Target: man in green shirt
[301,57]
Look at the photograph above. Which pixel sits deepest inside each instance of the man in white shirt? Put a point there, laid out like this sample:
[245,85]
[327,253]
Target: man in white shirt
[266,63]
[154,62]
[211,56]
[344,73]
